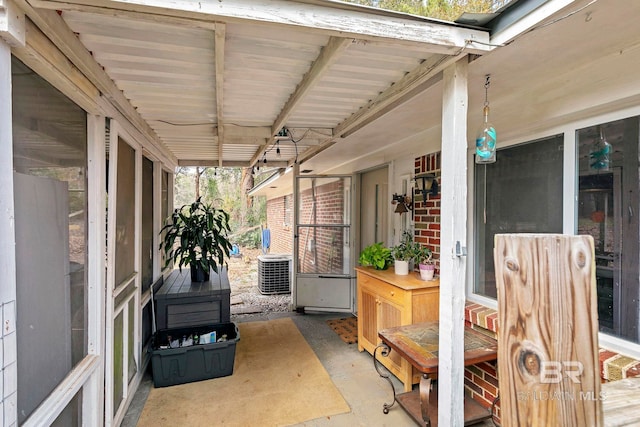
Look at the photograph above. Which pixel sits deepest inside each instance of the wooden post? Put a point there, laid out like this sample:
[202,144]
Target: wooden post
[8,340]
[548,332]
[453,229]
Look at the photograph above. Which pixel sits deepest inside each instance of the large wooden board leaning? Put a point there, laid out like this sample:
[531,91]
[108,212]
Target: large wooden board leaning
[548,332]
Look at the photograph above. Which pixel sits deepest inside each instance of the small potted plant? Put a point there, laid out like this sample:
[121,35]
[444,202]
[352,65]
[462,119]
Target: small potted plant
[403,253]
[376,256]
[202,231]
[425,263]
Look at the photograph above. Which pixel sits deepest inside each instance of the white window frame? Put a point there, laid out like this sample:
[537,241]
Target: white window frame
[570,208]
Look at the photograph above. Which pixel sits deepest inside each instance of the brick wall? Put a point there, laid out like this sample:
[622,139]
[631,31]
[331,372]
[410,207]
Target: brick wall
[321,249]
[279,222]
[427,212]
[481,380]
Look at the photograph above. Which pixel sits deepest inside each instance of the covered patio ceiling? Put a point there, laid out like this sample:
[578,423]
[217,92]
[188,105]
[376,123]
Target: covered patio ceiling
[214,83]
[217,82]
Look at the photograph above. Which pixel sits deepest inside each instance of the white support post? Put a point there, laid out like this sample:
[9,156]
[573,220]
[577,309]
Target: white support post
[8,343]
[296,242]
[93,392]
[453,237]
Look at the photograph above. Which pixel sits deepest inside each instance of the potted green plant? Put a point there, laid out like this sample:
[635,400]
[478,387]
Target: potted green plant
[425,263]
[403,253]
[201,231]
[376,256]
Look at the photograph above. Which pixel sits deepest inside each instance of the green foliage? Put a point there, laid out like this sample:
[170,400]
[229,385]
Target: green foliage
[201,231]
[423,255]
[376,256]
[407,249]
[250,239]
[223,187]
[448,10]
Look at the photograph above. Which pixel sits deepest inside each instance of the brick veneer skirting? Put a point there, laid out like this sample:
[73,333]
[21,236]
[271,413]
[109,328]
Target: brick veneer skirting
[481,380]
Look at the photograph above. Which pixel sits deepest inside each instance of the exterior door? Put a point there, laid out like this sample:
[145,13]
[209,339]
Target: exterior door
[123,279]
[600,199]
[373,207]
[323,238]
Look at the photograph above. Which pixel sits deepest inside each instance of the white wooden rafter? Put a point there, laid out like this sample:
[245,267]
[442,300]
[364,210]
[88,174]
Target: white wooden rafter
[416,81]
[327,57]
[55,29]
[330,18]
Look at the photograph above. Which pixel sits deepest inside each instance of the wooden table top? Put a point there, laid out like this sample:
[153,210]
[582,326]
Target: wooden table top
[418,343]
[408,282]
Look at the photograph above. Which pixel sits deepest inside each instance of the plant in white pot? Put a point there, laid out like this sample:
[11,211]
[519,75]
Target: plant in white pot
[201,231]
[403,253]
[425,263]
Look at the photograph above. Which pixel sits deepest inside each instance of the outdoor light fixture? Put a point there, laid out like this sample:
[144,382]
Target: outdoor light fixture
[486,137]
[283,134]
[599,153]
[403,202]
[427,183]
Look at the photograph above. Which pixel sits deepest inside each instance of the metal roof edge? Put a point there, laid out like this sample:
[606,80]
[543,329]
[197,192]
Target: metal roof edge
[277,174]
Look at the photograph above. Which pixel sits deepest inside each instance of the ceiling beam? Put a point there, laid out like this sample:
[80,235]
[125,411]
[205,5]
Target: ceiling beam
[323,17]
[327,57]
[43,57]
[205,23]
[227,164]
[54,27]
[425,75]
[220,35]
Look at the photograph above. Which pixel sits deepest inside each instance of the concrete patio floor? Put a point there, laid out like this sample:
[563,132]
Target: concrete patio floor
[351,371]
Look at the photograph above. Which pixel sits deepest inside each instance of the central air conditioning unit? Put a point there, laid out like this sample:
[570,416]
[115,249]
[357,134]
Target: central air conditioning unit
[274,274]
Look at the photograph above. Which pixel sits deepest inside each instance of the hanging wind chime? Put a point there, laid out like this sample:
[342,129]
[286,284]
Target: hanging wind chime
[486,137]
[599,153]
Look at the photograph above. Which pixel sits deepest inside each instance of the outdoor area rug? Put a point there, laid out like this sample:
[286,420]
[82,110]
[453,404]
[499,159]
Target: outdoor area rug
[346,328]
[277,380]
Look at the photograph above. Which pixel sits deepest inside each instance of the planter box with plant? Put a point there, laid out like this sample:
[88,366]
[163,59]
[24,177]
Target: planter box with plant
[201,231]
[425,263]
[376,256]
[404,253]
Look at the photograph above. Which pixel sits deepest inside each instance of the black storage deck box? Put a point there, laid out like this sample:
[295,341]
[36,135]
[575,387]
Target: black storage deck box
[197,362]
[182,303]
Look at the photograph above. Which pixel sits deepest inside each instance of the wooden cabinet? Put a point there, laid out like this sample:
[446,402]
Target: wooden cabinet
[386,300]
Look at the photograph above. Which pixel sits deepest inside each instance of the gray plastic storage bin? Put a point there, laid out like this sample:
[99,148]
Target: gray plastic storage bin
[198,362]
[181,303]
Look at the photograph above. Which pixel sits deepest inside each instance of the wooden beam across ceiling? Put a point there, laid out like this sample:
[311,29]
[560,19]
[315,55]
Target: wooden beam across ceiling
[323,17]
[42,56]
[418,80]
[55,29]
[327,57]
[227,164]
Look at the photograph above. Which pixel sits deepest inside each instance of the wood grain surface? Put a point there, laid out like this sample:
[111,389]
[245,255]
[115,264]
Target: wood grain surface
[548,332]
